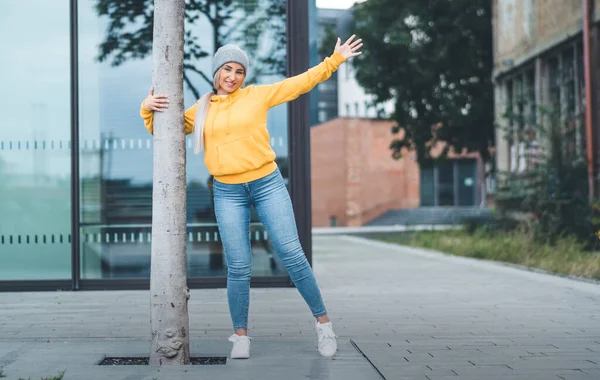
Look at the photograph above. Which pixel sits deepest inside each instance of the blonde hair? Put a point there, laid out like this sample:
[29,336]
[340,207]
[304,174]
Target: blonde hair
[201,112]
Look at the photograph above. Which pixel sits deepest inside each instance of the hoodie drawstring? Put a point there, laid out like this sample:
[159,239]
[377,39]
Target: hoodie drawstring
[228,110]
[212,127]
[229,100]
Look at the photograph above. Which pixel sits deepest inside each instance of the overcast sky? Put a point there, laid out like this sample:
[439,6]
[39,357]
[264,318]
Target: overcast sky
[337,4]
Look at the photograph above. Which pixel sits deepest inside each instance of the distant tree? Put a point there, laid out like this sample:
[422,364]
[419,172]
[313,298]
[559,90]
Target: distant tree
[327,40]
[433,59]
[129,33]
[273,20]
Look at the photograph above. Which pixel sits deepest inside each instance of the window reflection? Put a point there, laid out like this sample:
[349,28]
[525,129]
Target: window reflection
[35,203]
[116,150]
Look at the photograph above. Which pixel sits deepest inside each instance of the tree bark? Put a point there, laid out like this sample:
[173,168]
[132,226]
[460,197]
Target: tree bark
[169,293]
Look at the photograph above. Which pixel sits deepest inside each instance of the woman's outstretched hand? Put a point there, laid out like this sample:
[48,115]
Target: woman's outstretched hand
[349,49]
[156,102]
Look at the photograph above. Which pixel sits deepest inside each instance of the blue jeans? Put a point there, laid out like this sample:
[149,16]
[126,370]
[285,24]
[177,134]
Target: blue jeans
[274,207]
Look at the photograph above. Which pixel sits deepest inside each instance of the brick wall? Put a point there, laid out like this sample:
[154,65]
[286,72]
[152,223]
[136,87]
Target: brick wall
[354,177]
[328,173]
[377,182]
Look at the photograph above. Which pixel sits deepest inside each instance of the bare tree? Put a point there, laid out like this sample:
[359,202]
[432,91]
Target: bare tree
[168,277]
[129,33]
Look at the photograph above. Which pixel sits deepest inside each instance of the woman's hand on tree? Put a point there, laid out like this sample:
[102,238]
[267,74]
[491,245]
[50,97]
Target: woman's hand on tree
[156,102]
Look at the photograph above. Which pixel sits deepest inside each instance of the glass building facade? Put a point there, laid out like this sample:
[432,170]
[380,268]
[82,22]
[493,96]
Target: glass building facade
[76,160]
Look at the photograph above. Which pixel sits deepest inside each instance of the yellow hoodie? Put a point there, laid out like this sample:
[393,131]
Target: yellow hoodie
[237,145]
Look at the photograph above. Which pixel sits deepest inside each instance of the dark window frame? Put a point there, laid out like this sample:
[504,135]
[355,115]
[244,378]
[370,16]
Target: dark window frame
[297,19]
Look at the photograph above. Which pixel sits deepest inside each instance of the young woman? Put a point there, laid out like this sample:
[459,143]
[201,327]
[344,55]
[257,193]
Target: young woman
[230,124]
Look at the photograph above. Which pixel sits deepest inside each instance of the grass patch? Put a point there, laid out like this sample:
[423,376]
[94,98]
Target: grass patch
[59,377]
[567,256]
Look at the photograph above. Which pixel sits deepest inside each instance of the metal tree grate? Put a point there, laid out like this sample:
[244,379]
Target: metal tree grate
[144,360]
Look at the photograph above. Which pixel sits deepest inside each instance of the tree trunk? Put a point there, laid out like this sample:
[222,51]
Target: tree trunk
[168,280]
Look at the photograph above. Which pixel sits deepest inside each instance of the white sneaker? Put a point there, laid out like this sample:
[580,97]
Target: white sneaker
[241,346]
[327,342]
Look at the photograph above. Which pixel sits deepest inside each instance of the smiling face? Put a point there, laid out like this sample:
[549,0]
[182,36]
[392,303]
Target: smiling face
[231,77]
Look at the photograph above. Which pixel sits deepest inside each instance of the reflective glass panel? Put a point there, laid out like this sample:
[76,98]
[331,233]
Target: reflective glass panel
[35,168]
[116,150]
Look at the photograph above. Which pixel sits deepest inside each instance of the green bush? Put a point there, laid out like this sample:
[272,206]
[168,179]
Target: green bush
[551,197]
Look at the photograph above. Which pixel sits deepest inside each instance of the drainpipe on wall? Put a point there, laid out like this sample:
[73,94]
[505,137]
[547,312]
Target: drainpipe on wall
[588,98]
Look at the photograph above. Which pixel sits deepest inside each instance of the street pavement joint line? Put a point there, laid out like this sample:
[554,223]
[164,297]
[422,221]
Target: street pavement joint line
[134,377]
[9,358]
[367,358]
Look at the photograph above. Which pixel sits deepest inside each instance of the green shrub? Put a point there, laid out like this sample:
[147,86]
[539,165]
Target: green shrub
[552,196]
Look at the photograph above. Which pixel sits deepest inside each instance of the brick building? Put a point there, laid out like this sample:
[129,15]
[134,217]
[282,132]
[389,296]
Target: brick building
[355,180]
[539,60]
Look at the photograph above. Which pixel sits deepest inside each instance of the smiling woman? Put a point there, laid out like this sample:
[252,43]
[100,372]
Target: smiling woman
[230,77]
[240,159]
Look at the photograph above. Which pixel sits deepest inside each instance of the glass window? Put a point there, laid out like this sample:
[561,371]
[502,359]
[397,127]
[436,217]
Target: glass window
[35,166]
[427,186]
[322,116]
[508,109]
[446,183]
[568,79]
[333,221]
[530,116]
[530,103]
[519,103]
[328,86]
[116,149]
[580,76]
[467,181]
[509,97]
[571,143]
[521,110]
[580,99]
[554,85]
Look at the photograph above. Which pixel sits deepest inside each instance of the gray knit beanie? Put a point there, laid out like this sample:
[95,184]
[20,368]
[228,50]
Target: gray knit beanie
[229,53]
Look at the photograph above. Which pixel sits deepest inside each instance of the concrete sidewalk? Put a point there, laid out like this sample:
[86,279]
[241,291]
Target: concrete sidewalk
[400,313]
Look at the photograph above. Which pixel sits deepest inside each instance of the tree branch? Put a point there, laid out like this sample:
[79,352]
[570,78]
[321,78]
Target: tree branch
[187,81]
[231,30]
[192,68]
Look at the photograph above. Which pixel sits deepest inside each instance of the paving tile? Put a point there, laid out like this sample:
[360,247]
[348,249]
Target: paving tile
[414,314]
